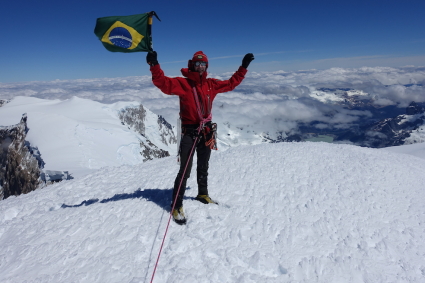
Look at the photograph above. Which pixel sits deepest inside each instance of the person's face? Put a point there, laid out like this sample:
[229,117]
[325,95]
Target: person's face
[200,67]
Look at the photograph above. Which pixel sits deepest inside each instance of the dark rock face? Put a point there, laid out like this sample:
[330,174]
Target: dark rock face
[135,119]
[50,176]
[166,131]
[150,151]
[414,109]
[19,166]
[3,102]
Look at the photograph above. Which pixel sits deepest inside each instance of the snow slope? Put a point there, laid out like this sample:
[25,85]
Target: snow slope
[416,149]
[79,135]
[289,212]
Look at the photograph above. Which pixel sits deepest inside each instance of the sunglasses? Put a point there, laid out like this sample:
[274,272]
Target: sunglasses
[200,63]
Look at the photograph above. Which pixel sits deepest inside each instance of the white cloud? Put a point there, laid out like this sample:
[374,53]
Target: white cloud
[342,62]
[279,100]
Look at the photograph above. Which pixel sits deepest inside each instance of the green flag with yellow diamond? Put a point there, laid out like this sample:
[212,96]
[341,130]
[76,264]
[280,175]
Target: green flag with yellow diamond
[125,33]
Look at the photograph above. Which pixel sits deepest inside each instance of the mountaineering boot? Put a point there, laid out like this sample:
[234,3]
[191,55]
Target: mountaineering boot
[178,216]
[205,199]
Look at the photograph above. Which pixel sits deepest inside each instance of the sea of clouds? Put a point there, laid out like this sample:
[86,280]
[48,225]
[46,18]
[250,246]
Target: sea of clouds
[279,101]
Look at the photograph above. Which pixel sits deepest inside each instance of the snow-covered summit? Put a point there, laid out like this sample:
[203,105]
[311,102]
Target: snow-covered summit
[80,135]
[289,212]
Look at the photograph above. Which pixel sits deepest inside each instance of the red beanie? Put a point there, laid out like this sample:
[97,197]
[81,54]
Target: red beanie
[199,56]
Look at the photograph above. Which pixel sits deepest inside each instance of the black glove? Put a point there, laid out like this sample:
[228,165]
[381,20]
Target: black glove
[151,58]
[247,59]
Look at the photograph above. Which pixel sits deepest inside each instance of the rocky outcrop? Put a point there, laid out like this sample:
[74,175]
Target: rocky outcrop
[414,109]
[3,102]
[151,127]
[50,176]
[149,151]
[19,163]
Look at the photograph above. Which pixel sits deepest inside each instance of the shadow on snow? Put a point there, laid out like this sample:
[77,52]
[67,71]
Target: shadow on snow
[162,198]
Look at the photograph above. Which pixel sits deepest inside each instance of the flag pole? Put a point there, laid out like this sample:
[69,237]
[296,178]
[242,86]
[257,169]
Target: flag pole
[151,14]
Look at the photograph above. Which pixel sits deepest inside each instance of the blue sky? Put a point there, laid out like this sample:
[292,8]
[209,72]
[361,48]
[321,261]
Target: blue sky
[48,40]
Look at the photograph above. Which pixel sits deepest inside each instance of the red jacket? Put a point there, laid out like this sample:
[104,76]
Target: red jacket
[207,90]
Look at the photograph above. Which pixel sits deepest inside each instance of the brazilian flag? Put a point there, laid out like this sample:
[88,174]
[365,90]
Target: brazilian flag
[125,33]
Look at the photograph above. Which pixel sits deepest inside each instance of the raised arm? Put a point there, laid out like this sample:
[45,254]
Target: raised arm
[165,84]
[237,77]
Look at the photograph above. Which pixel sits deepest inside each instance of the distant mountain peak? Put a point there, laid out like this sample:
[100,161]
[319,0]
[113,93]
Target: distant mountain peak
[414,109]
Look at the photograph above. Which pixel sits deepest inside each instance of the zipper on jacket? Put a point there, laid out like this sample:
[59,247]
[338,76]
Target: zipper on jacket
[201,101]
[209,104]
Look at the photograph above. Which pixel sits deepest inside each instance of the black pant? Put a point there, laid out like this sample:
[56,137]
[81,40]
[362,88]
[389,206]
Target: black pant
[203,154]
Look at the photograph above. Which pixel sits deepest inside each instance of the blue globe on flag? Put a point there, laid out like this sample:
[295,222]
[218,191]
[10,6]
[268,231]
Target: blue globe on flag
[121,37]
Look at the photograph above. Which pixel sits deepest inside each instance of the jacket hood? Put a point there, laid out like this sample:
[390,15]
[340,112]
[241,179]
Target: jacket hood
[194,76]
